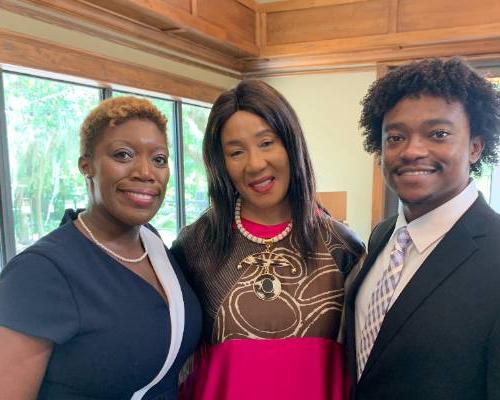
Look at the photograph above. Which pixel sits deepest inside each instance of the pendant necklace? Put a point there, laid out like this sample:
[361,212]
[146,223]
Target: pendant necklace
[109,251]
[266,286]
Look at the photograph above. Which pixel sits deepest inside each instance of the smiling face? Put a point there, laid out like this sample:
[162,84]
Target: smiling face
[427,151]
[257,163]
[128,172]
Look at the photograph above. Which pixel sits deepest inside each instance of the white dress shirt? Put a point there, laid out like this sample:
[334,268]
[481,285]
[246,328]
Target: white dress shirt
[426,232]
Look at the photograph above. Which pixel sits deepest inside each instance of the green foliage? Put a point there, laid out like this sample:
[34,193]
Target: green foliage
[43,120]
[194,121]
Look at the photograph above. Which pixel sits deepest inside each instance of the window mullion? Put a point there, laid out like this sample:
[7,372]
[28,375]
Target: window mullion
[7,234]
[106,93]
[179,166]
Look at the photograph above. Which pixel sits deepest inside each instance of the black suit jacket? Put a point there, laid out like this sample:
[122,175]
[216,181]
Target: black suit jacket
[441,338]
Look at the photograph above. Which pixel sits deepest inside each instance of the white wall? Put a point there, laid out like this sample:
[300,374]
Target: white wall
[328,107]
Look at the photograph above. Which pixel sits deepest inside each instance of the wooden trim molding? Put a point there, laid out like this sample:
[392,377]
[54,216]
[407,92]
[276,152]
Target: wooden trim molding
[292,5]
[401,40]
[28,52]
[396,54]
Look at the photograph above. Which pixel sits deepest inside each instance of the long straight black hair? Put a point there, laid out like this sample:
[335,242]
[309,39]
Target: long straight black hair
[260,99]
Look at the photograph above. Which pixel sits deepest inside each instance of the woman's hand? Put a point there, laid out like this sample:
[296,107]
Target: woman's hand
[23,360]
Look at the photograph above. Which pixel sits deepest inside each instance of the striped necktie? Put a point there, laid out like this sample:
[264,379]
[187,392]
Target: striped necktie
[381,297]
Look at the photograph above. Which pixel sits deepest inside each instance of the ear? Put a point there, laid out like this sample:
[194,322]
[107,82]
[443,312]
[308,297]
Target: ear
[476,148]
[85,166]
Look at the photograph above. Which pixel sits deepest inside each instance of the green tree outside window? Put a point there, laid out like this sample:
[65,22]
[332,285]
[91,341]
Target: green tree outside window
[43,121]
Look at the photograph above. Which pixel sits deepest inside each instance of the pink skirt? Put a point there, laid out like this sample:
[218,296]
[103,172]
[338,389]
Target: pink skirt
[269,369]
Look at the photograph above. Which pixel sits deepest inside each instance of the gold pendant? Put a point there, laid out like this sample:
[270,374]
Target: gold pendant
[267,286]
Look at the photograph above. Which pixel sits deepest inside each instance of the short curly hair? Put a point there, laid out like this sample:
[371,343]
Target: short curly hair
[452,80]
[116,111]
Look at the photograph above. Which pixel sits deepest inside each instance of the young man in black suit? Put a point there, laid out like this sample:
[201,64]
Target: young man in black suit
[423,314]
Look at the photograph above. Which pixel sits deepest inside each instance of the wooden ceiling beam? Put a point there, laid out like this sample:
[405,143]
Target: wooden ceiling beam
[163,16]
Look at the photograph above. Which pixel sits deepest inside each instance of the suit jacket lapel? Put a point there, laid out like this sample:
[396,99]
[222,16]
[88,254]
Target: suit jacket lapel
[455,248]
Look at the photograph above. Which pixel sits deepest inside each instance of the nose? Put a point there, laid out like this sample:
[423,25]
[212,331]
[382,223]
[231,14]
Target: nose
[143,169]
[256,161]
[414,149]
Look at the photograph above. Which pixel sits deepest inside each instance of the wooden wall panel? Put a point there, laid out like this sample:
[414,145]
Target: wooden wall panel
[335,203]
[182,4]
[175,21]
[230,15]
[436,14]
[137,11]
[329,22]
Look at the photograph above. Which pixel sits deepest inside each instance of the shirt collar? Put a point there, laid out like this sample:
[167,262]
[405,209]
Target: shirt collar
[433,225]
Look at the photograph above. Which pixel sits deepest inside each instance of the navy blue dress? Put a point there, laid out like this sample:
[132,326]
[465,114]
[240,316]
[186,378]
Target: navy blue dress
[110,328]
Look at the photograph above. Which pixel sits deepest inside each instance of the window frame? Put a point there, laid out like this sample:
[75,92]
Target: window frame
[7,223]
[7,235]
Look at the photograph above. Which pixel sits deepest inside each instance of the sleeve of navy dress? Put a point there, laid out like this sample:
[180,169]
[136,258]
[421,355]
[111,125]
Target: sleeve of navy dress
[35,299]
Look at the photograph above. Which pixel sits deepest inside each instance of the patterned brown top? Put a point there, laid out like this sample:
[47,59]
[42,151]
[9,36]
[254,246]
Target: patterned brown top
[312,290]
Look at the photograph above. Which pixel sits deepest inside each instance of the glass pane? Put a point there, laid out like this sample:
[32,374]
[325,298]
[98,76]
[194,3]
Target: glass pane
[483,182]
[495,189]
[489,185]
[165,220]
[194,121]
[43,122]
[491,175]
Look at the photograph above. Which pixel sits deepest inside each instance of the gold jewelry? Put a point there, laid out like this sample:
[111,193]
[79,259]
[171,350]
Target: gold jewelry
[266,286]
[109,251]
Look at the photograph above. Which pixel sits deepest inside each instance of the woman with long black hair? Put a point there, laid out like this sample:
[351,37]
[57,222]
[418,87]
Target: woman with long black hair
[266,261]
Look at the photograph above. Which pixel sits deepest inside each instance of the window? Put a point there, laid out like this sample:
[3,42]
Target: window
[40,140]
[194,122]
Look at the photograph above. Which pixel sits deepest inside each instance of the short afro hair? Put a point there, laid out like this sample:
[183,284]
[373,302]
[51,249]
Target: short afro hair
[115,111]
[452,80]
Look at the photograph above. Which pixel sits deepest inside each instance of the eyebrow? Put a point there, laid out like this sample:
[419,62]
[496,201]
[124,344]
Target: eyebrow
[127,143]
[427,123]
[236,142]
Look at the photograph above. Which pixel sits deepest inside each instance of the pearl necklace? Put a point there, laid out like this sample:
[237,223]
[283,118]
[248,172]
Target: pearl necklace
[253,238]
[266,285]
[109,251]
